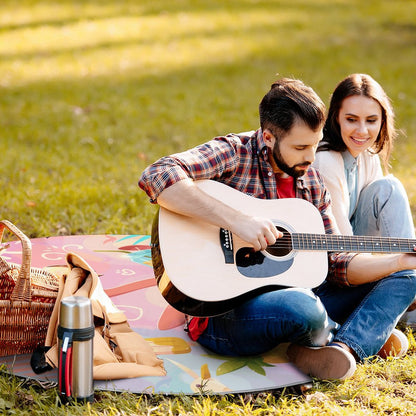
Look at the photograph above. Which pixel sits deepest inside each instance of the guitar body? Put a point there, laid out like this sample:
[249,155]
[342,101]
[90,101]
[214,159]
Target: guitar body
[200,277]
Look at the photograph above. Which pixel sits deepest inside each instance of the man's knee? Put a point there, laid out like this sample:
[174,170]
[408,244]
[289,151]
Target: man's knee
[311,309]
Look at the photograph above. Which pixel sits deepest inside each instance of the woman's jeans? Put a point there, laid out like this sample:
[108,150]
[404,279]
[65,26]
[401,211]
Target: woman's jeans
[383,210]
[368,313]
[285,315]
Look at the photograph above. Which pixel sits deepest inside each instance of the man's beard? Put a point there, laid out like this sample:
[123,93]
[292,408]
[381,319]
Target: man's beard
[283,166]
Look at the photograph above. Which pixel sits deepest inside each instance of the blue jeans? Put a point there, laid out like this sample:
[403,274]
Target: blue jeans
[368,313]
[383,210]
[260,324]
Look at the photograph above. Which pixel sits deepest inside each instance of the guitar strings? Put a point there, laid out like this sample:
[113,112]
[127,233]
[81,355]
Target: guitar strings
[357,242]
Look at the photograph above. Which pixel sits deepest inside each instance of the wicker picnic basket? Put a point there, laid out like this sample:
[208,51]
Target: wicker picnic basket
[27,298]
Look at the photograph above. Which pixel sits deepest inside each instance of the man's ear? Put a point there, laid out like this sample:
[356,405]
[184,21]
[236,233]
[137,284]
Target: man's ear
[269,138]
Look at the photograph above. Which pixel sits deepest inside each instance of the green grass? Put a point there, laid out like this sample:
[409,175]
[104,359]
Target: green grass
[93,91]
[382,387]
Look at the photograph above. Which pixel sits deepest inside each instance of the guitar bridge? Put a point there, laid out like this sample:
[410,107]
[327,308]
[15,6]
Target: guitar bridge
[226,241]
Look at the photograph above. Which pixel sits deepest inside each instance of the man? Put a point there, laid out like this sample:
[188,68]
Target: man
[274,162]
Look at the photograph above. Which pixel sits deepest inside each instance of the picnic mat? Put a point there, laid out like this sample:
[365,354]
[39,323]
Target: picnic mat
[123,263]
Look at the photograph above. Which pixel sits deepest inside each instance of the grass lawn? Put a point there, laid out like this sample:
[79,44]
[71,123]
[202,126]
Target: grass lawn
[93,91]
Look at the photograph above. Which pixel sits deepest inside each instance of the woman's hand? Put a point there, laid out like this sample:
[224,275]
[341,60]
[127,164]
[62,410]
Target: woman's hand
[406,261]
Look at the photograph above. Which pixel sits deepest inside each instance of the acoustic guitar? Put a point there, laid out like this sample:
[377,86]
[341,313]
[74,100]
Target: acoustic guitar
[204,270]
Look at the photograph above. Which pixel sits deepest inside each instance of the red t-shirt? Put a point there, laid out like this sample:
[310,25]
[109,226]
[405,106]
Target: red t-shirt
[285,189]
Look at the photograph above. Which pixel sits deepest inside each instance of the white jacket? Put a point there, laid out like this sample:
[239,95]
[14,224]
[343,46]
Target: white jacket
[330,165]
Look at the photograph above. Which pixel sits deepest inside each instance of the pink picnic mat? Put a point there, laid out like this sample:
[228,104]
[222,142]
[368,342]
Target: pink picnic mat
[123,263]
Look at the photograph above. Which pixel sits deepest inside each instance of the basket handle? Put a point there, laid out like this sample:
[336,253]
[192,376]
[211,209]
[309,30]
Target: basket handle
[21,291]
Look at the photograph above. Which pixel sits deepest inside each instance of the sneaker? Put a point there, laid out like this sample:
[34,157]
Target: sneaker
[396,346]
[325,363]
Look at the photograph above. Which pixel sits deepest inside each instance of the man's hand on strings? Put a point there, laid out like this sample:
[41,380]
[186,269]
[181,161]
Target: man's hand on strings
[258,231]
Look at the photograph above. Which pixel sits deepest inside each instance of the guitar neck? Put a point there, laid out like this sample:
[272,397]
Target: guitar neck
[361,244]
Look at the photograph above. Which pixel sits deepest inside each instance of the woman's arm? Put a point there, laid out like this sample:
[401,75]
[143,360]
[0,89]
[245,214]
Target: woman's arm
[366,268]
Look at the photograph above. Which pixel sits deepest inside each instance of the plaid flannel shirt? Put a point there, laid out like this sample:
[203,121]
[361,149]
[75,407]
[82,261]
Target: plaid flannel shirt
[241,161]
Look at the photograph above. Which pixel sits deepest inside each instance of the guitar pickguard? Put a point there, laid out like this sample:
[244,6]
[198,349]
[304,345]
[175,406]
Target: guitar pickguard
[254,264]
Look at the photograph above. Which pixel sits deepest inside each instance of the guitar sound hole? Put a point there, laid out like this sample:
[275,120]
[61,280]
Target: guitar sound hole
[283,245]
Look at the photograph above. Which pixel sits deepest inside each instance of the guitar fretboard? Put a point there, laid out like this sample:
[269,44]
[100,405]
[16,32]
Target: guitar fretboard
[332,242]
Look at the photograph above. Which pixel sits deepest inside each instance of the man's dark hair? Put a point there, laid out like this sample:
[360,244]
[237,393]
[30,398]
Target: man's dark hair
[290,100]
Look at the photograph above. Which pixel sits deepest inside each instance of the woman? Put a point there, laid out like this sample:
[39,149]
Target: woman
[358,134]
